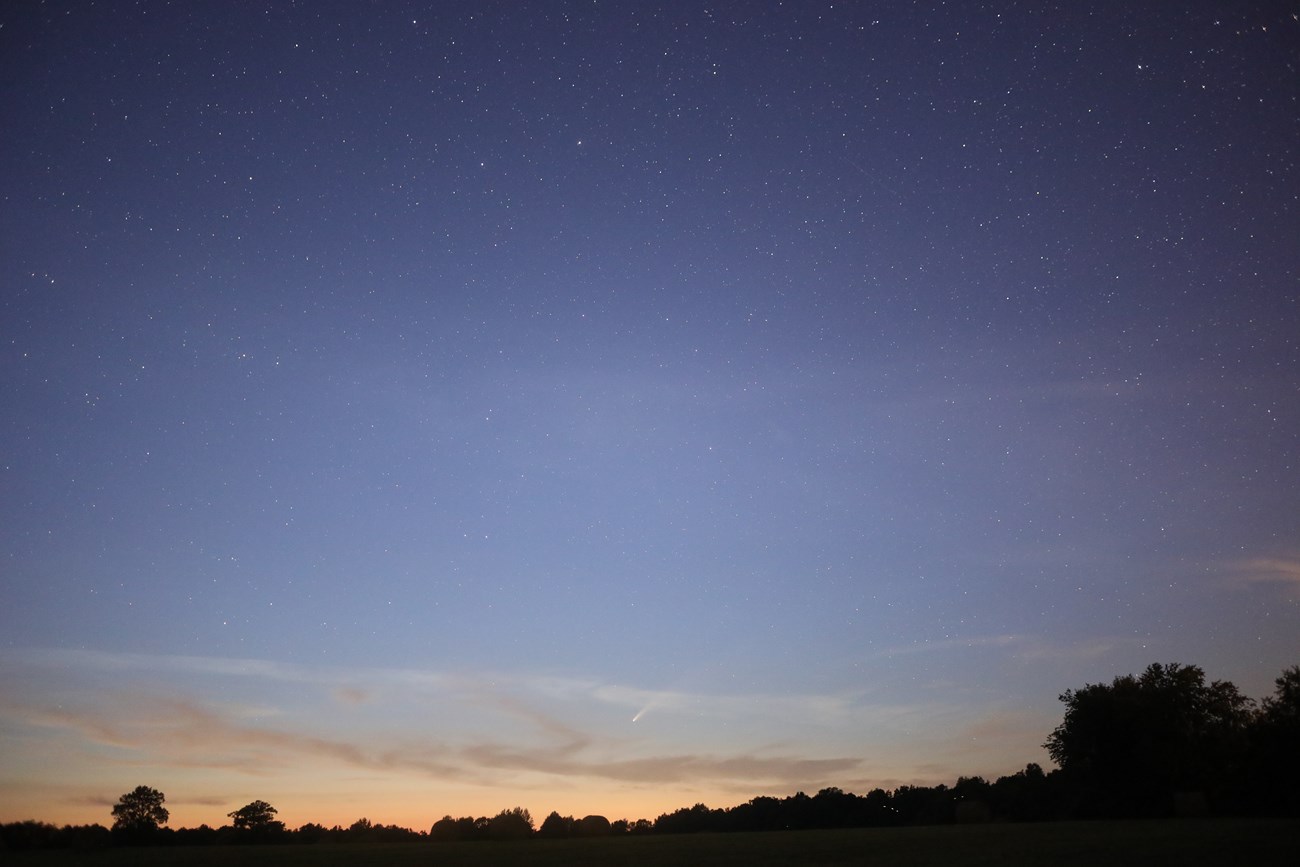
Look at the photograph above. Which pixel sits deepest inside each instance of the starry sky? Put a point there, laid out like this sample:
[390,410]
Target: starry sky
[425,408]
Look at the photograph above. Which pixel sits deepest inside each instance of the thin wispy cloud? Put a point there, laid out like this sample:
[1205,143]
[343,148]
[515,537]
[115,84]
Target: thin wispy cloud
[259,669]
[362,686]
[661,768]
[1081,650]
[1269,570]
[1027,648]
[184,733]
[90,801]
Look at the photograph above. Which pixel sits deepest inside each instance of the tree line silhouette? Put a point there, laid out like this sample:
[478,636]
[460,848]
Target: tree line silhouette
[1162,743]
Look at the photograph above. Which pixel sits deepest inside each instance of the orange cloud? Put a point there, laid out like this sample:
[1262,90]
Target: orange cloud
[187,734]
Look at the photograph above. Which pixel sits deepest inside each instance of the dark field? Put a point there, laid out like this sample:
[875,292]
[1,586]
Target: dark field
[1149,844]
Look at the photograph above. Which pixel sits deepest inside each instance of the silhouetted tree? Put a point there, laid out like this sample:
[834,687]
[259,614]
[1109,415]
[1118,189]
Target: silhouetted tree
[834,808]
[878,809]
[758,814]
[445,828]
[203,835]
[688,820]
[464,828]
[1284,704]
[259,816]
[139,813]
[1127,747]
[1025,796]
[971,801]
[1270,784]
[555,827]
[513,824]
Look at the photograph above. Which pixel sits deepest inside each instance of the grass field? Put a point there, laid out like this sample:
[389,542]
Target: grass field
[1186,843]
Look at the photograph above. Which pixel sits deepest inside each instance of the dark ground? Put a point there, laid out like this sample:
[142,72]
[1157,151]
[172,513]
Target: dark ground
[1186,843]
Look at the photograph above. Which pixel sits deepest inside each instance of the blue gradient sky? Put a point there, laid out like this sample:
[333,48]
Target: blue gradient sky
[398,401]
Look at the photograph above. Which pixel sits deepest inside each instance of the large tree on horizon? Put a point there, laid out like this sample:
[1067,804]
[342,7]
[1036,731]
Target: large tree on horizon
[1129,746]
[140,811]
[512,824]
[258,816]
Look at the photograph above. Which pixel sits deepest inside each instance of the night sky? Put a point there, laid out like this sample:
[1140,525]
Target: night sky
[411,409]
